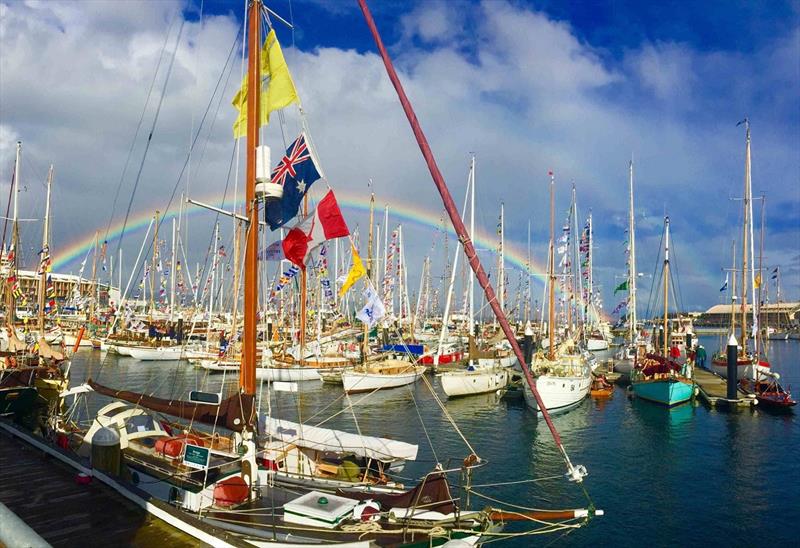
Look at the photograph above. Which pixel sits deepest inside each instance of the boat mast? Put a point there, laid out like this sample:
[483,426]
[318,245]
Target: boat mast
[502,268]
[551,260]
[665,349]
[761,275]
[754,307]
[152,266]
[631,259]
[93,301]
[733,287]
[172,276]
[590,281]
[746,220]
[45,251]
[472,235]
[11,307]
[365,345]
[247,373]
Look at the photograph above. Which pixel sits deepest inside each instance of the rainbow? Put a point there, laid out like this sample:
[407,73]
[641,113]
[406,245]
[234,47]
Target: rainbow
[351,200]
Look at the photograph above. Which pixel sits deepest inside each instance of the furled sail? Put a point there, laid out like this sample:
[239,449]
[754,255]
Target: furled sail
[234,412]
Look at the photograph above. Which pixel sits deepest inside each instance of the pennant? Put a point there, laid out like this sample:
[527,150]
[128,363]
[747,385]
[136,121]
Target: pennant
[621,287]
[356,272]
[724,285]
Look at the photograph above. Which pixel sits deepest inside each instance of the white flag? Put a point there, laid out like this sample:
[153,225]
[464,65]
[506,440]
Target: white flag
[373,309]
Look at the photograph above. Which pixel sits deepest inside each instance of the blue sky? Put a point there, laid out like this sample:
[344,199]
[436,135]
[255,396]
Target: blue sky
[578,87]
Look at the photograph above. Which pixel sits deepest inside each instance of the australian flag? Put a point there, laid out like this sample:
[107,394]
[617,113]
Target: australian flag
[296,172]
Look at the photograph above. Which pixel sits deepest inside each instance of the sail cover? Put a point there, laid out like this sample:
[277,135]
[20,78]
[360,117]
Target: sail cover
[326,439]
[233,412]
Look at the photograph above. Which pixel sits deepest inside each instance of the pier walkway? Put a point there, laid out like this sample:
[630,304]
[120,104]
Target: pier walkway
[42,491]
[714,390]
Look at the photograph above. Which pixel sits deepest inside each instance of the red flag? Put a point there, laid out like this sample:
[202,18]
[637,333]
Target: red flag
[325,223]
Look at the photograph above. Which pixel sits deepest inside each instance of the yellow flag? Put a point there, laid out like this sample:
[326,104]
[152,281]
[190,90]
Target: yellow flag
[758,281]
[356,271]
[279,93]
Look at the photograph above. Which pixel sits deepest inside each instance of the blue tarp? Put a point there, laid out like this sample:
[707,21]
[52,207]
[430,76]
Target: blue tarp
[416,349]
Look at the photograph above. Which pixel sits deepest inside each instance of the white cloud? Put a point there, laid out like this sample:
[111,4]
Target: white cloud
[520,90]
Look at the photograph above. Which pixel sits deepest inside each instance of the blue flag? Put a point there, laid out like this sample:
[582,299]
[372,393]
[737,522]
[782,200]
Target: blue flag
[296,172]
[725,285]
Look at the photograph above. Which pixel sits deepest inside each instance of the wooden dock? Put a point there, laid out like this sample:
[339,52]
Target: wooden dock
[43,492]
[38,483]
[714,391]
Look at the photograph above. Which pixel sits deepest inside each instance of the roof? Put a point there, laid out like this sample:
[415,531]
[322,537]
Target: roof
[325,439]
[771,307]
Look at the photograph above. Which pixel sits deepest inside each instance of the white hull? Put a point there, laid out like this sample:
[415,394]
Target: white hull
[287,374]
[467,383]
[359,381]
[159,353]
[562,384]
[624,366]
[744,371]
[217,366]
[504,362]
[596,345]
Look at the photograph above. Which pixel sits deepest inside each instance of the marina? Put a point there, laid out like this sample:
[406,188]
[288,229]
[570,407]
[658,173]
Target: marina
[347,276]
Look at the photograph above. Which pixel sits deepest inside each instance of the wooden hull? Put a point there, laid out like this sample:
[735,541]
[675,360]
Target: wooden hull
[467,383]
[667,391]
[17,399]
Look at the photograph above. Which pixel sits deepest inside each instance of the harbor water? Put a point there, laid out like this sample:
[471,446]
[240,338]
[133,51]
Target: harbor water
[690,475]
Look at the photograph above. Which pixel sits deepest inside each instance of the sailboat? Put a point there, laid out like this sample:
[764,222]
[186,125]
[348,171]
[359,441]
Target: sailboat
[563,376]
[749,364]
[379,372]
[28,375]
[483,373]
[659,378]
[634,343]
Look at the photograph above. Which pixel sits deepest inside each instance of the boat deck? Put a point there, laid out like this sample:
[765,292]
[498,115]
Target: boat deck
[43,492]
[714,391]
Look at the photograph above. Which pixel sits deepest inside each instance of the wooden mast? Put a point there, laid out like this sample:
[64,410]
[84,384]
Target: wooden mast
[247,374]
[665,349]
[11,306]
[152,267]
[45,252]
[552,290]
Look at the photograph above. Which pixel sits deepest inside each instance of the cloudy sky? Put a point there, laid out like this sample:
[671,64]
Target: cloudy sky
[577,88]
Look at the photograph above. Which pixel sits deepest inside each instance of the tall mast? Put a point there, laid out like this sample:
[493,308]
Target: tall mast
[527,277]
[631,259]
[172,276]
[365,346]
[502,281]
[761,272]
[745,221]
[756,304]
[12,301]
[152,267]
[247,373]
[45,251]
[472,235]
[665,349]
[93,300]
[552,264]
[733,287]
[590,280]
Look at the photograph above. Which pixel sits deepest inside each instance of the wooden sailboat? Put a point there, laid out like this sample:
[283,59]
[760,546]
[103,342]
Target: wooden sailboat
[659,378]
[750,364]
[634,343]
[378,372]
[563,376]
[483,373]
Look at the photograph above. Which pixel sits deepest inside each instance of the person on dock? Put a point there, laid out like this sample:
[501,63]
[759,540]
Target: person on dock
[700,356]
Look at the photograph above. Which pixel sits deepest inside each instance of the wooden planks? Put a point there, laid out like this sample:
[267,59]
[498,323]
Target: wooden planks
[42,491]
[713,389]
